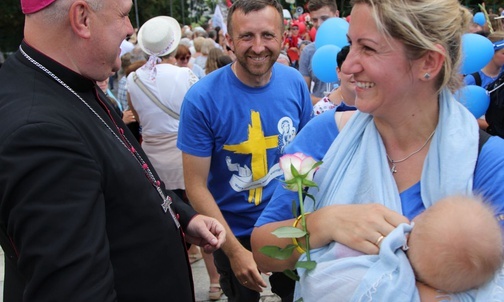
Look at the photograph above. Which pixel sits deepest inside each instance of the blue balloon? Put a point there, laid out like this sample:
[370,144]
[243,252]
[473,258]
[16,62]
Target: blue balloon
[475,98]
[477,51]
[479,18]
[332,32]
[324,63]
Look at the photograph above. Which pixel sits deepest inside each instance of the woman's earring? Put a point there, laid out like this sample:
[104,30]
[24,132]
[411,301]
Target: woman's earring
[426,76]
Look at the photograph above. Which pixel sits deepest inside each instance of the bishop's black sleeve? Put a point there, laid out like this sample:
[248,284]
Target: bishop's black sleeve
[185,212]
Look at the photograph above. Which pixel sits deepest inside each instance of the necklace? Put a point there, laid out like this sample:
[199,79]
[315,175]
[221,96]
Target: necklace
[394,162]
[166,205]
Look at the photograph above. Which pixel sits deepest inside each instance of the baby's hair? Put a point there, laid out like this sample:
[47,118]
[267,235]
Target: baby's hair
[456,244]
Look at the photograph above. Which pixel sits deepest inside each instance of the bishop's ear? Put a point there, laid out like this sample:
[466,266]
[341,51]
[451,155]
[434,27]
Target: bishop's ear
[80,18]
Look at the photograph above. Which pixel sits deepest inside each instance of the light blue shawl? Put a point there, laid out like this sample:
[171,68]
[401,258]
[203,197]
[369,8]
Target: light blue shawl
[356,171]
[362,277]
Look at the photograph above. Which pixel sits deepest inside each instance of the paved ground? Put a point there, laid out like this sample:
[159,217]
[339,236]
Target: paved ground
[201,283]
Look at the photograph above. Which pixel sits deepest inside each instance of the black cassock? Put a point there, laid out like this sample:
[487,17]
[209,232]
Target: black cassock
[80,219]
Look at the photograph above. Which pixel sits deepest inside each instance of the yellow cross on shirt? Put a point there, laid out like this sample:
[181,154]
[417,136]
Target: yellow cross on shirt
[257,144]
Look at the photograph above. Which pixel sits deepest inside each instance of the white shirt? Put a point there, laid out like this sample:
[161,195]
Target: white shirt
[170,86]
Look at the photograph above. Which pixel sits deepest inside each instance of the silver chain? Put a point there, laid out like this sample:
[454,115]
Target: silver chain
[134,153]
[394,162]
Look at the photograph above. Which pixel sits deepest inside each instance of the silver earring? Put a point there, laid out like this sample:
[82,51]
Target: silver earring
[426,76]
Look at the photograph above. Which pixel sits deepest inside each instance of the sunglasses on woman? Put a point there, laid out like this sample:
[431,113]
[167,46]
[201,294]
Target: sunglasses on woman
[186,58]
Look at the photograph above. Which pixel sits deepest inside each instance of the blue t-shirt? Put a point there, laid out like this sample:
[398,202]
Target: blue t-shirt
[316,138]
[245,131]
[485,80]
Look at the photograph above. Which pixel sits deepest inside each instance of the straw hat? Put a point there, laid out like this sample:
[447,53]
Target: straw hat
[159,36]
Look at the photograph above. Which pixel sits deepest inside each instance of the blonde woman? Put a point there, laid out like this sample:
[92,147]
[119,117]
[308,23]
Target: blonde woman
[409,145]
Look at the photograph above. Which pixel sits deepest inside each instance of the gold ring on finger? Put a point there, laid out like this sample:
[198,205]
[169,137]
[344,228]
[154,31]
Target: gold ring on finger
[379,240]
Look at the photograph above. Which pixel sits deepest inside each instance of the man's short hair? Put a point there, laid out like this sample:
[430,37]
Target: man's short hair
[314,5]
[247,6]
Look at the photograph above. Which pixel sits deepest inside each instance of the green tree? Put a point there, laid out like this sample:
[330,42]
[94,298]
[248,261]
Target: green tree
[11,25]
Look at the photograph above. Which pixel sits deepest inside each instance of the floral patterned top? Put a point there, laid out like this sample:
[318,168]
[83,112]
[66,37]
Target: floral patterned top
[323,105]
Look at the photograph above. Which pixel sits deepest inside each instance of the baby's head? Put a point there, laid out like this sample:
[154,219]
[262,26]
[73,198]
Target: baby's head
[456,244]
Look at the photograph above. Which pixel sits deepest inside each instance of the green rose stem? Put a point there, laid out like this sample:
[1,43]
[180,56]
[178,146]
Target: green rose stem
[299,182]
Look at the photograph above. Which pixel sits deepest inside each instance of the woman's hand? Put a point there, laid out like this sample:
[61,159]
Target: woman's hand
[128,117]
[358,226]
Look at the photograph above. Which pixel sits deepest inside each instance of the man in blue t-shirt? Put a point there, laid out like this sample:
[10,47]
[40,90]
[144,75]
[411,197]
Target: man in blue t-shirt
[234,126]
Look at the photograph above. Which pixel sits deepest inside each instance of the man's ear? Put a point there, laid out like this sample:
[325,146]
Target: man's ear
[229,41]
[79,19]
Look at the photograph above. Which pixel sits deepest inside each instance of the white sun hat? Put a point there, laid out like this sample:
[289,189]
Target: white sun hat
[159,36]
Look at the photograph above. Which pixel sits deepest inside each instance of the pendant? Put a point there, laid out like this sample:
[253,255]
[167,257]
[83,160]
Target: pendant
[166,207]
[166,204]
[393,169]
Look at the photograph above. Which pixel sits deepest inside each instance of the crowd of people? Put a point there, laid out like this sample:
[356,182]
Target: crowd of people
[112,196]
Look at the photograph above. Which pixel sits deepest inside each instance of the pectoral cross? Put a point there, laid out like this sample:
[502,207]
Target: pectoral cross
[166,207]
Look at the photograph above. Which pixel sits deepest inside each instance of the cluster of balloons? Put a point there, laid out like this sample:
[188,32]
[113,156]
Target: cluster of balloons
[331,37]
[477,51]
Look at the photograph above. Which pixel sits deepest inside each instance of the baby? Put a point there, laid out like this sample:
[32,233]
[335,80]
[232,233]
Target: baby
[456,244]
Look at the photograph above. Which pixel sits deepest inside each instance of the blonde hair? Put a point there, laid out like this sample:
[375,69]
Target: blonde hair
[197,43]
[423,25]
[208,44]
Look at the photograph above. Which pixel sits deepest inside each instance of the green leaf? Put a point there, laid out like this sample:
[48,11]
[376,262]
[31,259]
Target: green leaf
[294,172]
[309,183]
[277,252]
[292,181]
[317,164]
[309,265]
[291,274]
[310,196]
[288,232]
